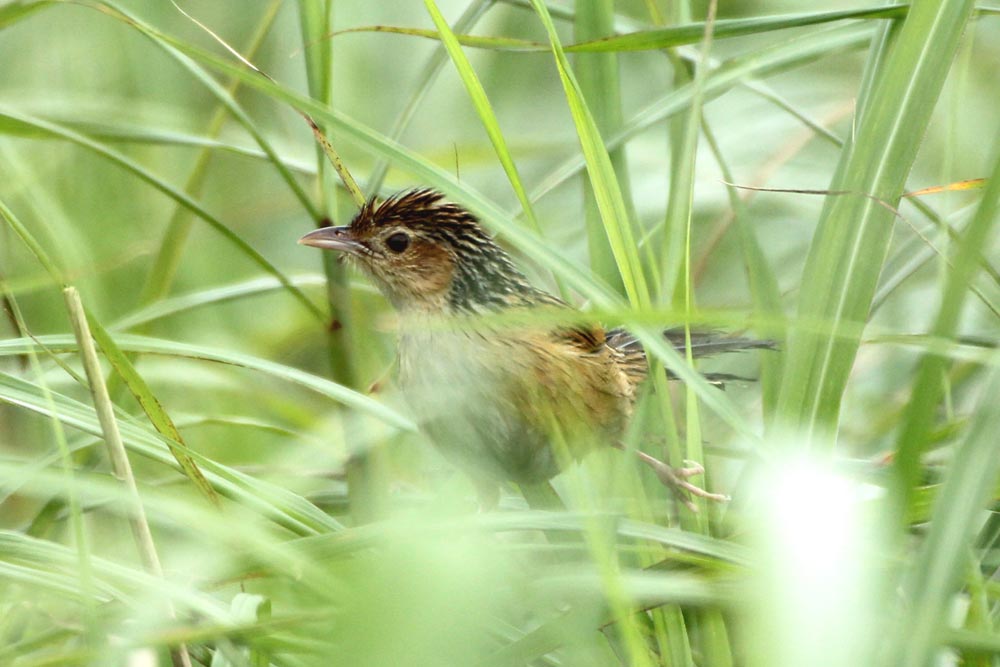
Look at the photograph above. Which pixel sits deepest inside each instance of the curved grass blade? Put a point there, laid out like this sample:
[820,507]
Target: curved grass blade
[14,11]
[492,43]
[422,85]
[151,406]
[765,62]
[52,129]
[937,573]
[921,409]
[131,343]
[607,191]
[477,94]
[692,33]
[283,507]
[215,295]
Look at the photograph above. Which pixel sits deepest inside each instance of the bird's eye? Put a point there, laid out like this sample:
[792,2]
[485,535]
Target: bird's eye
[398,242]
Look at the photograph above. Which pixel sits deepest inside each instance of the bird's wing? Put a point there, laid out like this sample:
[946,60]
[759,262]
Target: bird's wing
[588,339]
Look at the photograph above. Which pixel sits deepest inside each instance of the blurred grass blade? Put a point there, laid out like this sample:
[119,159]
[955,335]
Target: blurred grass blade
[935,577]
[607,191]
[763,283]
[769,60]
[36,249]
[152,407]
[183,303]
[921,410]
[849,246]
[64,457]
[646,40]
[160,136]
[14,11]
[52,129]
[168,258]
[132,343]
[283,507]
[486,114]
[422,85]
[600,86]
[692,33]
[473,41]
[247,609]
[712,552]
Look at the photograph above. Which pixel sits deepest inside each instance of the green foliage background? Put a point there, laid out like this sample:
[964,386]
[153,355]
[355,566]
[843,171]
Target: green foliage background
[299,519]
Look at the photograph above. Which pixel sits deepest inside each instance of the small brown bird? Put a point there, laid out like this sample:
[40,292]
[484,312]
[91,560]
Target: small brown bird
[500,402]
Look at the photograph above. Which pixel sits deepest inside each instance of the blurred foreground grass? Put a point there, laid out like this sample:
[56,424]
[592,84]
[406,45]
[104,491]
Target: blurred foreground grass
[300,520]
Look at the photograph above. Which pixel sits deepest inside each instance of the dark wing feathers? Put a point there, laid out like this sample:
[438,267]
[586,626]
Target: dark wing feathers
[703,343]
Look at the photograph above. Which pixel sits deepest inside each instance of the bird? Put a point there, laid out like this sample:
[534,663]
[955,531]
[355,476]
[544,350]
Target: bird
[503,402]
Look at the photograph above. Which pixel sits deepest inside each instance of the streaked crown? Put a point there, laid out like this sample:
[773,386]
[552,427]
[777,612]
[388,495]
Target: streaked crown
[425,253]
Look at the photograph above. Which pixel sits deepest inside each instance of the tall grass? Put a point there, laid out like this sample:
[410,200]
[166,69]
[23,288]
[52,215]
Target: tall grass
[281,512]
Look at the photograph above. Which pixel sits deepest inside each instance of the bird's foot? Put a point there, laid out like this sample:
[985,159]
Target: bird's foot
[676,479]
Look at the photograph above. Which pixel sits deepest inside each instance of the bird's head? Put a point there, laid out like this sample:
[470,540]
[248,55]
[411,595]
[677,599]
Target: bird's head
[426,254]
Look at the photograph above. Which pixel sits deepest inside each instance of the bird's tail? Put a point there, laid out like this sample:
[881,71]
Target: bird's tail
[703,344]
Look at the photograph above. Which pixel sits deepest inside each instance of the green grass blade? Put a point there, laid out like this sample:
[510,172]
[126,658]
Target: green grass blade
[600,87]
[770,60]
[849,246]
[14,11]
[921,410]
[691,33]
[423,83]
[132,343]
[937,573]
[52,129]
[283,507]
[607,191]
[764,290]
[154,410]
[477,94]
[183,303]
[647,40]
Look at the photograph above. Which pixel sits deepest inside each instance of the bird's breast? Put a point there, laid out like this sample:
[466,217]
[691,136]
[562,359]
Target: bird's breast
[494,403]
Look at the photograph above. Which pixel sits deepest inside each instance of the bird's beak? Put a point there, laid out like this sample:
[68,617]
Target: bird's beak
[331,238]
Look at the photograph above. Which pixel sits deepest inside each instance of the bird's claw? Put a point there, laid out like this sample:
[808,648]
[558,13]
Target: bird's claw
[676,479]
